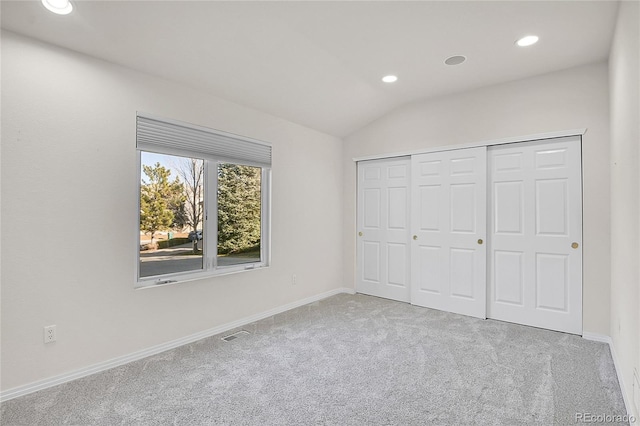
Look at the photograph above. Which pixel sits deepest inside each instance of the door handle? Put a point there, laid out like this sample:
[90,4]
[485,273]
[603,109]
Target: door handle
[415,237]
[360,234]
[574,245]
[480,241]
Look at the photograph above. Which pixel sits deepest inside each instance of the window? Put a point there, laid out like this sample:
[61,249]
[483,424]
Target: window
[203,202]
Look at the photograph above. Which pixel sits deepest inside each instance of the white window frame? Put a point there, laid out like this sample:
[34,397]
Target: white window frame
[210,267]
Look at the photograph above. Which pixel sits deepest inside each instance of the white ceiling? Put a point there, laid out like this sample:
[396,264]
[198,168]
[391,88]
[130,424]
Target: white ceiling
[320,63]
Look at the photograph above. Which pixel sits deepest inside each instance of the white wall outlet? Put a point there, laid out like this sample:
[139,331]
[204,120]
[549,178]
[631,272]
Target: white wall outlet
[50,334]
[294,279]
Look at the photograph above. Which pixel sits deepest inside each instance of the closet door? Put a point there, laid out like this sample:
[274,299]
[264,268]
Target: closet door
[383,250]
[535,262]
[448,217]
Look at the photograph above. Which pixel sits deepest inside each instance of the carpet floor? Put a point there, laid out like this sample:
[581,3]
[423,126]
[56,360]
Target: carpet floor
[347,360]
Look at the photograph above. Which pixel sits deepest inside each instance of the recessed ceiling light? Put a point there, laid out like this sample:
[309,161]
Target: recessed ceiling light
[455,60]
[527,41]
[61,7]
[389,78]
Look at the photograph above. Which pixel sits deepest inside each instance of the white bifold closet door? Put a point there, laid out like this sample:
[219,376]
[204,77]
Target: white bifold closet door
[535,234]
[448,218]
[383,252]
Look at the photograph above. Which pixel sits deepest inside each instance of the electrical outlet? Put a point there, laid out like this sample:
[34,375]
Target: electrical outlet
[294,279]
[50,334]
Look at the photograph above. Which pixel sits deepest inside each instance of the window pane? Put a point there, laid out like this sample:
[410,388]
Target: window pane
[239,214]
[171,214]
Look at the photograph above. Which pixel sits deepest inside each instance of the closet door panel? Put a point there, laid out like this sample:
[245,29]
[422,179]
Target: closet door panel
[382,253]
[535,249]
[448,214]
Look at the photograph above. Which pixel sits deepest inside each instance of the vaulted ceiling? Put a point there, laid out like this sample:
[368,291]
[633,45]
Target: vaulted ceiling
[320,63]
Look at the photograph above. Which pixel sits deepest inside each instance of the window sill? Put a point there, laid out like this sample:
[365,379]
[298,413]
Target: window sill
[166,280]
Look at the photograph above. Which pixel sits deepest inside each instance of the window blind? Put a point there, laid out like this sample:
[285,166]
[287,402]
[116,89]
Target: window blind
[174,137]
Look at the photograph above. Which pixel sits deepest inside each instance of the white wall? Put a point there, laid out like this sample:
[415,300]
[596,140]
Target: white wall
[625,192]
[69,198]
[571,99]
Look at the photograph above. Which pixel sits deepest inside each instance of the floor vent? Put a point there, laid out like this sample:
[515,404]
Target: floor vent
[235,335]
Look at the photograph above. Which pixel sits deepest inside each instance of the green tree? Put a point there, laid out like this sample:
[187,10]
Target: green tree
[157,196]
[238,207]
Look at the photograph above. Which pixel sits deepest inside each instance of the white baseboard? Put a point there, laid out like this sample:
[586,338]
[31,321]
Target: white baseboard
[125,359]
[607,339]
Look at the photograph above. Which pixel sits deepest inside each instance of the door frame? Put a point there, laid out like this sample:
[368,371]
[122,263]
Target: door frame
[487,143]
